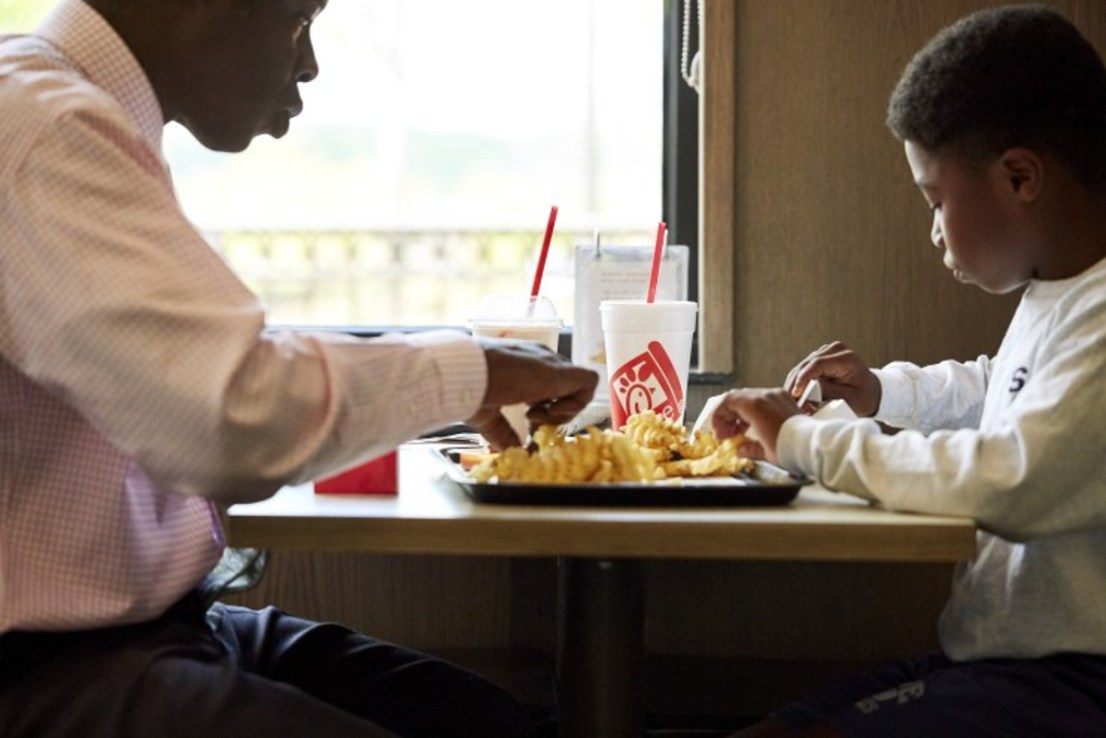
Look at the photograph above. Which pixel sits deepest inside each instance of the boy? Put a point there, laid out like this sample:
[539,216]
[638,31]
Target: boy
[1003,120]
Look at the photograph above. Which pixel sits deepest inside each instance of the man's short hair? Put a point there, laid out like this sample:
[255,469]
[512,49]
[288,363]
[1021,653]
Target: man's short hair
[1008,76]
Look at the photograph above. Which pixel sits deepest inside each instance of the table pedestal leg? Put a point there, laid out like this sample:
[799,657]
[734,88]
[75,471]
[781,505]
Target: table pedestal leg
[600,645]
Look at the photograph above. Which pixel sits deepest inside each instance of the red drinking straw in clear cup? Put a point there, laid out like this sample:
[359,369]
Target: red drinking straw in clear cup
[536,288]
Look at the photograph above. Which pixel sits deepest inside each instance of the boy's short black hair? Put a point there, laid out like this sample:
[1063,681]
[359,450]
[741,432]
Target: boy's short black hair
[1003,77]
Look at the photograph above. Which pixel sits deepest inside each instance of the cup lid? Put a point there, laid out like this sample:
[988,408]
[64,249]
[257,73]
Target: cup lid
[513,308]
[639,304]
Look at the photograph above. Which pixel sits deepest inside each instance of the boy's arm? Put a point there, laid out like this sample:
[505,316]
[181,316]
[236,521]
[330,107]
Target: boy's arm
[1038,469]
[947,395]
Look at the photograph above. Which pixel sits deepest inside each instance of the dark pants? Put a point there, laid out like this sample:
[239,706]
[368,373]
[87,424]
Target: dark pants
[235,672]
[929,696]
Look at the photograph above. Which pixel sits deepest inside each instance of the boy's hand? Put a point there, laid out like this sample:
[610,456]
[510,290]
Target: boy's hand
[758,413]
[842,374]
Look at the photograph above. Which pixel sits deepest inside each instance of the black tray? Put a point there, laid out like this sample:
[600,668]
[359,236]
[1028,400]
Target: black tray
[765,485]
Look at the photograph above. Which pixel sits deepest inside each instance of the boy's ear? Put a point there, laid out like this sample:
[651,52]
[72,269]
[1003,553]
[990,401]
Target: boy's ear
[1023,171]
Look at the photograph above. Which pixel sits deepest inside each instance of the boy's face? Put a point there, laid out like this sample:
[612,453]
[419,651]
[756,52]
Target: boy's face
[248,58]
[974,219]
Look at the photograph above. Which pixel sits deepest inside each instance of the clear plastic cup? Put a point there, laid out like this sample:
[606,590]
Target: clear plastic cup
[648,346]
[519,318]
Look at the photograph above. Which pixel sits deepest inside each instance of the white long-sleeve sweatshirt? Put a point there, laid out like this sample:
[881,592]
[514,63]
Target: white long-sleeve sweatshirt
[1017,442]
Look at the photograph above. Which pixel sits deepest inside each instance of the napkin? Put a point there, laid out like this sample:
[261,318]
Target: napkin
[520,425]
[835,410]
[707,412]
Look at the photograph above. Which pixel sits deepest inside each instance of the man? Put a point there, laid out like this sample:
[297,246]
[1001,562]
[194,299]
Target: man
[140,388]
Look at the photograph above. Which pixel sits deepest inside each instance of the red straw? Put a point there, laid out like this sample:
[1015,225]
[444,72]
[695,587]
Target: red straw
[658,251]
[544,252]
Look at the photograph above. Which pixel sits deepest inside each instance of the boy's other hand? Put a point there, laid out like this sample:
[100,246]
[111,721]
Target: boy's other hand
[759,414]
[843,376]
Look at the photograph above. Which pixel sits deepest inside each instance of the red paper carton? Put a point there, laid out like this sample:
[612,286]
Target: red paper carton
[375,477]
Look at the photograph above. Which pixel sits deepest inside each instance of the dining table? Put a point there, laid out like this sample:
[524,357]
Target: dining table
[600,550]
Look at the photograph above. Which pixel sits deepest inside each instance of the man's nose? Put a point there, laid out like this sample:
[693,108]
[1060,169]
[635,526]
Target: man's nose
[307,67]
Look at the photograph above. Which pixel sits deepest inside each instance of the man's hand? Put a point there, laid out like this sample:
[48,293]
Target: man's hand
[525,372]
[842,374]
[758,413]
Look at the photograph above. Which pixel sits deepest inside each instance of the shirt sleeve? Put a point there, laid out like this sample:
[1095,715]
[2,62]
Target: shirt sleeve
[1036,470]
[945,395]
[128,314]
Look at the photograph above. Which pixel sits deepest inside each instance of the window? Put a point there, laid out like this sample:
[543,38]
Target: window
[18,16]
[431,148]
[432,145]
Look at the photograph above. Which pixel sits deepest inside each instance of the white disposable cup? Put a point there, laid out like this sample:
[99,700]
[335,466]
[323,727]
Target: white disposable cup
[517,318]
[648,346]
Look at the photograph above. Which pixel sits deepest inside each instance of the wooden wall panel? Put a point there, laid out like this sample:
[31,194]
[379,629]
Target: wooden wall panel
[795,611]
[431,602]
[832,239]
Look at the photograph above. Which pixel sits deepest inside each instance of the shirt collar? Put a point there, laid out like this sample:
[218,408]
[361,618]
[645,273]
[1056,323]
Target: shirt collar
[91,44]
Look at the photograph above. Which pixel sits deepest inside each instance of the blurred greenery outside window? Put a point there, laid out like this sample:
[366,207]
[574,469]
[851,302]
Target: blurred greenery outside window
[431,147]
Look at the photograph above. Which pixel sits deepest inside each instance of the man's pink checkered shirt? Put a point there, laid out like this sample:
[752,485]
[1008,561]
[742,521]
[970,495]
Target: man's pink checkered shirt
[139,386]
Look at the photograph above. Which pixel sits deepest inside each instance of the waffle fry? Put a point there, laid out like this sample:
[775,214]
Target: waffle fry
[723,460]
[667,439]
[649,448]
[593,456]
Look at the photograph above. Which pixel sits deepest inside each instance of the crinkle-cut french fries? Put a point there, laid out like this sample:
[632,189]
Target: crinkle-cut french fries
[593,456]
[648,448]
[667,439]
[722,461]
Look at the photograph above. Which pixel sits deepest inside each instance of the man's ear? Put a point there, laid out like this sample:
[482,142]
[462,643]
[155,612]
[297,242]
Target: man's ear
[1023,171]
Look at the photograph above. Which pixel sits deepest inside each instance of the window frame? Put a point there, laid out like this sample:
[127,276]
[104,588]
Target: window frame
[717,189]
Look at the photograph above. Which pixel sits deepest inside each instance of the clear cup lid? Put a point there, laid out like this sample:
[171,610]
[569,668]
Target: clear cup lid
[513,308]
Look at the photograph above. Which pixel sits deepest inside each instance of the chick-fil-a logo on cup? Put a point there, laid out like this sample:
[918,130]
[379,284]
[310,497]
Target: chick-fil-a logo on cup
[648,381]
